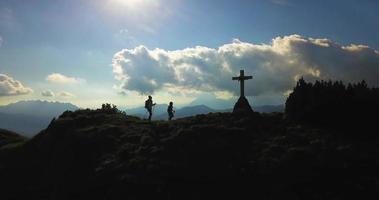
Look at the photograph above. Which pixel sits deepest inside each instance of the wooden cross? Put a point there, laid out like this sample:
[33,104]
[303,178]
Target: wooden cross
[242,79]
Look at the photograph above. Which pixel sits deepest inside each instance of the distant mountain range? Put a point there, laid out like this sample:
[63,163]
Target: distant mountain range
[269,108]
[29,117]
[142,113]
[160,111]
[189,111]
[37,108]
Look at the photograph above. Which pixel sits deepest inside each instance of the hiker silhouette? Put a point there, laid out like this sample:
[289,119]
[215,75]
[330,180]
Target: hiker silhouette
[149,106]
[170,111]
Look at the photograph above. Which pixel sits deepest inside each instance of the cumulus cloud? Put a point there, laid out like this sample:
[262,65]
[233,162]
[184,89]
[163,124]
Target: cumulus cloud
[60,78]
[276,66]
[11,87]
[66,94]
[47,93]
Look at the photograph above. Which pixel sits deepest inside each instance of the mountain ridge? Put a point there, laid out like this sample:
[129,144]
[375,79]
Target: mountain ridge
[160,111]
[29,117]
[37,108]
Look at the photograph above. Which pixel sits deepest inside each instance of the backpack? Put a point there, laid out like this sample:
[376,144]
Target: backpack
[147,104]
[170,109]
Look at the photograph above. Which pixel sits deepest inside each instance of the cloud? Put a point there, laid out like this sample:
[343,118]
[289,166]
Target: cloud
[60,78]
[66,94]
[1,40]
[11,87]
[276,66]
[47,93]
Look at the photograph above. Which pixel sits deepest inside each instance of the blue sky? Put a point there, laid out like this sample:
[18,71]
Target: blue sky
[78,39]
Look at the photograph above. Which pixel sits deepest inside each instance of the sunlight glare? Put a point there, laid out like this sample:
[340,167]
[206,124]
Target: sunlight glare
[134,4]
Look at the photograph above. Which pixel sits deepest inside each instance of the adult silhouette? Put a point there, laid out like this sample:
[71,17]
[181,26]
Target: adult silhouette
[149,106]
[170,110]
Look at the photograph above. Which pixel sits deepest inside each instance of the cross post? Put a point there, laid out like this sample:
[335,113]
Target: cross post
[242,79]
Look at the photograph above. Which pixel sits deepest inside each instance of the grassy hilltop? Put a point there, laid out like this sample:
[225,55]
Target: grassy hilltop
[104,153]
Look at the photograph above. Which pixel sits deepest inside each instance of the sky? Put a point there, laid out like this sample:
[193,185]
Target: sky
[89,52]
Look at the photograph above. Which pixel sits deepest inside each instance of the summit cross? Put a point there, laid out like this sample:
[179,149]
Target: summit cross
[242,79]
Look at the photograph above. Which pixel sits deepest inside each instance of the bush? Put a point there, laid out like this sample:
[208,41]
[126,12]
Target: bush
[110,108]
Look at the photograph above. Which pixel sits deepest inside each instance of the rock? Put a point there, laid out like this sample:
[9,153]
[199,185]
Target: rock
[242,106]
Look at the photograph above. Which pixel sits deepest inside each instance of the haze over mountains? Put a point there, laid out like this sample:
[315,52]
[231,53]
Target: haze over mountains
[30,117]
[160,110]
[37,108]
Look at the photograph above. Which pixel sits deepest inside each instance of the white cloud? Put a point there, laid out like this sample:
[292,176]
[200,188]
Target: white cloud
[60,78]
[47,93]
[11,87]
[66,94]
[275,66]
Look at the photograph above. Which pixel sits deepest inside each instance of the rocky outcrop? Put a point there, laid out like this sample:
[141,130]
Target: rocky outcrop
[242,107]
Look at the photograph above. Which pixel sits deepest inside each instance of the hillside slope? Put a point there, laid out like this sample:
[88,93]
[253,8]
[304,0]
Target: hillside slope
[9,137]
[103,154]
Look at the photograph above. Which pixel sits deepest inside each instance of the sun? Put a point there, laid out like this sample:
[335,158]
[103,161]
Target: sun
[139,14]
